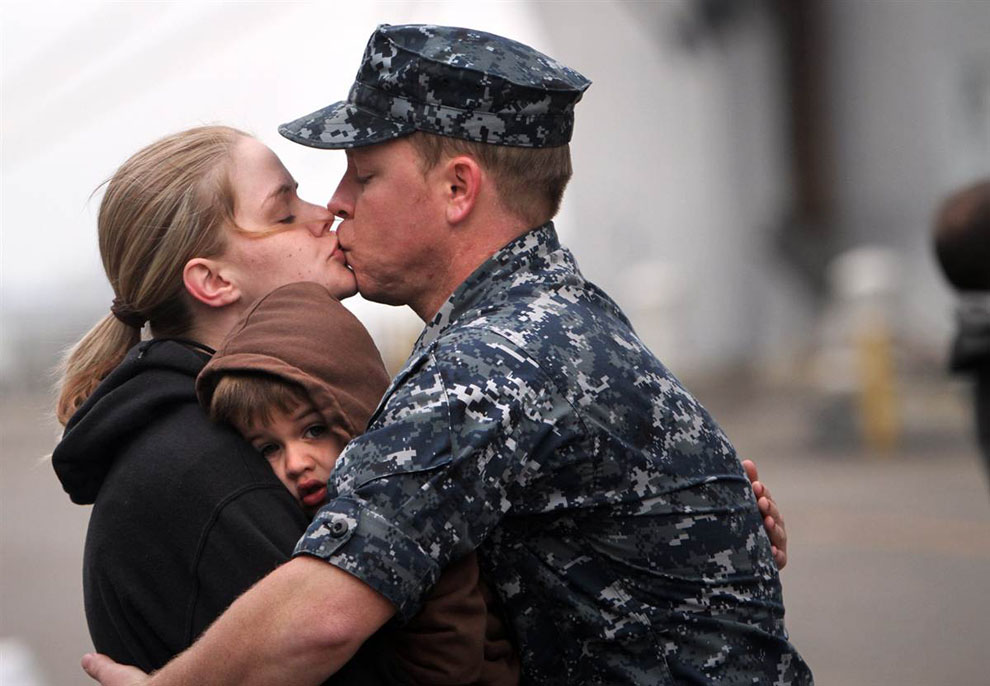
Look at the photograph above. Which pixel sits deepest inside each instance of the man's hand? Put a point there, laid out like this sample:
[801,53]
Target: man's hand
[298,625]
[772,521]
[109,673]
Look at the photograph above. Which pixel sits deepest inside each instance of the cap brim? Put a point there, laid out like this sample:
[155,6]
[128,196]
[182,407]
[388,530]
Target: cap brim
[343,125]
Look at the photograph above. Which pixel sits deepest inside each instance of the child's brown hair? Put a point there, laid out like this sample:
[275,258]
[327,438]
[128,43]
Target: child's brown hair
[244,398]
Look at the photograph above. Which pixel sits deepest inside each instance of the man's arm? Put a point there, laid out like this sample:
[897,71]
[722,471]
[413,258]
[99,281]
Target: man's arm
[298,625]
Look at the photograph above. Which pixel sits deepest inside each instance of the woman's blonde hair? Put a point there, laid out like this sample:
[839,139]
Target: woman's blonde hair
[165,205]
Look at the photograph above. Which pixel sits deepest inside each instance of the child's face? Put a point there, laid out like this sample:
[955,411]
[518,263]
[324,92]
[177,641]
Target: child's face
[301,450]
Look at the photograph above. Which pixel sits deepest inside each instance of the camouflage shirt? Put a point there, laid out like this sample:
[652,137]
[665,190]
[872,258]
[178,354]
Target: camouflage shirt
[610,511]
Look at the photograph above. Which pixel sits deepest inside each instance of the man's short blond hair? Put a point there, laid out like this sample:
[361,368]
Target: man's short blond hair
[530,181]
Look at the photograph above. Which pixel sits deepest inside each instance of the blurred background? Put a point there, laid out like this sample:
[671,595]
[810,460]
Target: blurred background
[755,183]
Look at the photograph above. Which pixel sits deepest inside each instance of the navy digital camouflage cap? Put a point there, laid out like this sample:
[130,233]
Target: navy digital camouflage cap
[452,82]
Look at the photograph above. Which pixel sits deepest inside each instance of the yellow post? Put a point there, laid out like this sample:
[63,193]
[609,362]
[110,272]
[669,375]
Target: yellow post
[878,408]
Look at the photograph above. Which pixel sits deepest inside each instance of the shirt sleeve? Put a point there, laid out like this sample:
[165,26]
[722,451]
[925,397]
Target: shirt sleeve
[447,457]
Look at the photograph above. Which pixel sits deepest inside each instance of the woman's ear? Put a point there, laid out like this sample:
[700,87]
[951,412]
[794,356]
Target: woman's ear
[462,177]
[207,282]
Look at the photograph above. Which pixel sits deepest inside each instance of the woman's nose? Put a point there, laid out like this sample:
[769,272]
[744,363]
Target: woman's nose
[318,219]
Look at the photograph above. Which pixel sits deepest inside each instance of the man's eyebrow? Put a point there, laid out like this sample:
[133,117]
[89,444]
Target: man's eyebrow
[284,189]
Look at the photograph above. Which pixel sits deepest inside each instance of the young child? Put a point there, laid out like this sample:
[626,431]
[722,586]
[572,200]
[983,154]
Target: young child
[298,377]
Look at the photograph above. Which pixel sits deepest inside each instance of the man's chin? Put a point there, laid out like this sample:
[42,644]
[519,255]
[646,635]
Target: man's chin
[375,295]
[373,291]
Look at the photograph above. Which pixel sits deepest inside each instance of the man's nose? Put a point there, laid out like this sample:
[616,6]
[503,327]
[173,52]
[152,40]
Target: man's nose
[342,203]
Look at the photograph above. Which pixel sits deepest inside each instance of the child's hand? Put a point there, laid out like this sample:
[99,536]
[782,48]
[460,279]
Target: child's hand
[772,520]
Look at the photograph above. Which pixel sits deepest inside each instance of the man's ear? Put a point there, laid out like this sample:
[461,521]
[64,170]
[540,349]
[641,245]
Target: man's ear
[208,283]
[462,178]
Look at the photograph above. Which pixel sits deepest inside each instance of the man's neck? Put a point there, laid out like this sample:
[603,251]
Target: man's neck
[477,245]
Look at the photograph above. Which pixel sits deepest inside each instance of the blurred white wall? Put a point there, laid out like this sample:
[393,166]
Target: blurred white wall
[681,171]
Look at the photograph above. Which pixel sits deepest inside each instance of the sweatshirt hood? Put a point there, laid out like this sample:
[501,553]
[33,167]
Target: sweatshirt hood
[303,335]
[154,376]
[972,345]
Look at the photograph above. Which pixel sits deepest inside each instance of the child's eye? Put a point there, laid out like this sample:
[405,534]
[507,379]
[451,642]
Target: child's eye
[287,220]
[267,450]
[315,431]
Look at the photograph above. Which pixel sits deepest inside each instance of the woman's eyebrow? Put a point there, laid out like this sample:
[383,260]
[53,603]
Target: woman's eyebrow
[281,190]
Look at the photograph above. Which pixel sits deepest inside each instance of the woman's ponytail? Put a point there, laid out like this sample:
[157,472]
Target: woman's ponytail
[90,360]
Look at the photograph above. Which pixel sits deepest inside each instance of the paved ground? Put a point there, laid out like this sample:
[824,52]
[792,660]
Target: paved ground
[890,555]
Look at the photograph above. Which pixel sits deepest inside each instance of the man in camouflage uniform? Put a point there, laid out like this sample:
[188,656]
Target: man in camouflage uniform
[529,423]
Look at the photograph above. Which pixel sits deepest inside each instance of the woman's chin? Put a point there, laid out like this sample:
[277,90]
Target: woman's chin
[343,287]
[340,291]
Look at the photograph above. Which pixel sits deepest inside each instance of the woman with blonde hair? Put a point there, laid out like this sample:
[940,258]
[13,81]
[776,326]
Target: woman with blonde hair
[185,516]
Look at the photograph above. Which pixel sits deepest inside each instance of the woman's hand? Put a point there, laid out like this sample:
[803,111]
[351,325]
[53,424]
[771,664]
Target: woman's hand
[772,521]
[109,673]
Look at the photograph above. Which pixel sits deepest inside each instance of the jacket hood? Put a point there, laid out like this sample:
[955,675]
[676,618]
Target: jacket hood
[302,334]
[154,376]
[972,345]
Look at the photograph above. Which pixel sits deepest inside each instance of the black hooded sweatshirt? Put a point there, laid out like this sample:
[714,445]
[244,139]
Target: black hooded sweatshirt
[186,516]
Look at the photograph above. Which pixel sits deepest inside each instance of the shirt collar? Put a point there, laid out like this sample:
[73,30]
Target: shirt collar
[524,254]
